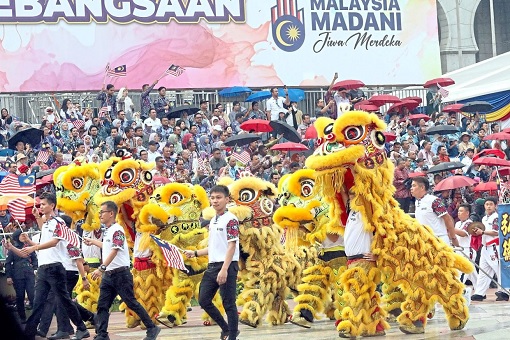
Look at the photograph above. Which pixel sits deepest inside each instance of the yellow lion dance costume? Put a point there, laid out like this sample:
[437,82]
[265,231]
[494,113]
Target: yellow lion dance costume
[265,269]
[76,184]
[305,218]
[128,183]
[174,214]
[350,155]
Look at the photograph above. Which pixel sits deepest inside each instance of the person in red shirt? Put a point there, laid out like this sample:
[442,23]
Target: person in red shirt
[443,154]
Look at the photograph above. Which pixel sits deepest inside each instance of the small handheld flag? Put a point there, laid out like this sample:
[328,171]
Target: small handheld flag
[171,253]
[63,232]
[14,185]
[442,91]
[243,157]
[175,70]
[102,112]
[43,156]
[119,71]
[17,209]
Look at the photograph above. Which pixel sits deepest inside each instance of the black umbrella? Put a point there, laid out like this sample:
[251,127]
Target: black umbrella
[31,136]
[176,112]
[41,174]
[446,166]
[477,106]
[442,130]
[242,139]
[288,132]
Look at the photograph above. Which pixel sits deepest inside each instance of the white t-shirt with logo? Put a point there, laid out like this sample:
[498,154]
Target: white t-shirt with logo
[429,211]
[464,241]
[356,239]
[115,238]
[57,254]
[491,223]
[92,251]
[222,230]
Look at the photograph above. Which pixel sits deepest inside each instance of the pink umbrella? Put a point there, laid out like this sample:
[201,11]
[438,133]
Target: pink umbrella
[441,81]
[349,84]
[289,146]
[454,182]
[416,99]
[410,104]
[366,107]
[382,99]
[452,108]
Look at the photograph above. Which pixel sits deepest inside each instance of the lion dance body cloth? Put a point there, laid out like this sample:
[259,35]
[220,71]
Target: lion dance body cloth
[350,156]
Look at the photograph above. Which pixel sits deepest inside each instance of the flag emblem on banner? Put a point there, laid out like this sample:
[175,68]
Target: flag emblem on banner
[17,209]
[43,156]
[442,91]
[14,185]
[243,157]
[63,232]
[171,253]
[119,71]
[175,70]
[287,23]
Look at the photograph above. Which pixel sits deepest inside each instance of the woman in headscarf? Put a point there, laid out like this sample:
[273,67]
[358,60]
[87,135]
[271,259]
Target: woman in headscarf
[64,132]
[20,273]
[204,146]
[125,103]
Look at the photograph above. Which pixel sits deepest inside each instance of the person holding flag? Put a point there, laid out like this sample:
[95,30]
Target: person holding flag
[51,273]
[116,277]
[223,251]
[108,99]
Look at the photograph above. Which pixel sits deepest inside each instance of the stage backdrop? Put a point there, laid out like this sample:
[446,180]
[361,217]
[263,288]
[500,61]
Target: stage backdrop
[49,45]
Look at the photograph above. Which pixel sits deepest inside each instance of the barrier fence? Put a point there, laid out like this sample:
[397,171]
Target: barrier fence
[29,107]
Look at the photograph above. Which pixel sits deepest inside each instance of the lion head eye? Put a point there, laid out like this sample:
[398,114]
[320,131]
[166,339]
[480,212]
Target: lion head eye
[127,175]
[307,187]
[247,195]
[176,198]
[77,182]
[354,133]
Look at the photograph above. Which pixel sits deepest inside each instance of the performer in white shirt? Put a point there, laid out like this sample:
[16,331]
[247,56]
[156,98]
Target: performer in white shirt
[461,229]
[223,251]
[51,273]
[489,258]
[431,211]
[116,277]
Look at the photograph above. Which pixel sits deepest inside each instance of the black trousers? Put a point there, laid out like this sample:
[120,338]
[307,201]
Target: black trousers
[208,288]
[51,277]
[63,322]
[24,283]
[404,203]
[119,283]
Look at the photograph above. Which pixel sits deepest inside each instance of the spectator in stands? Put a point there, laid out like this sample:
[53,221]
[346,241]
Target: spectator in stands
[402,193]
[276,104]
[321,109]
[294,116]
[108,99]
[255,112]
[125,103]
[443,154]
[161,104]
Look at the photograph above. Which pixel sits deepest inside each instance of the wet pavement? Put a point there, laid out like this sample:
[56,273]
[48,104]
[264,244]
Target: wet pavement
[489,320]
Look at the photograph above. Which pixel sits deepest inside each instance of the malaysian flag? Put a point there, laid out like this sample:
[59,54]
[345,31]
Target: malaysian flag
[64,233]
[17,209]
[442,91]
[243,157]
[14,185]
[42,156]
[171,253]
[119,71]
[77,123]
[102,112]
[175,70]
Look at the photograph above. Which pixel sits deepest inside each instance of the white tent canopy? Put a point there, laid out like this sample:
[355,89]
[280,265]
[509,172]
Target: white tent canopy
[488,76]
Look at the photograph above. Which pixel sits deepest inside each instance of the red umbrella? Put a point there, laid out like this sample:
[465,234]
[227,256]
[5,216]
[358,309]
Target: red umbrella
[160,180]
[486,186]
[410,104]
[366,107]
[489,152]
[417,174]
[389,136]
[416,117]
[311,132]
[45,180]
[454,182]
[289,146]
[382,99]
[416,99]
[491,161]
[497,136]
[452,108]
[507,130]
[502,172]
[349,84]
[441,81]
[257,125]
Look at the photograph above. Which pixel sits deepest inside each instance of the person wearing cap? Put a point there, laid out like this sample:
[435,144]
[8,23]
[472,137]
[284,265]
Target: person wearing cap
[465,143]
[489,258]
